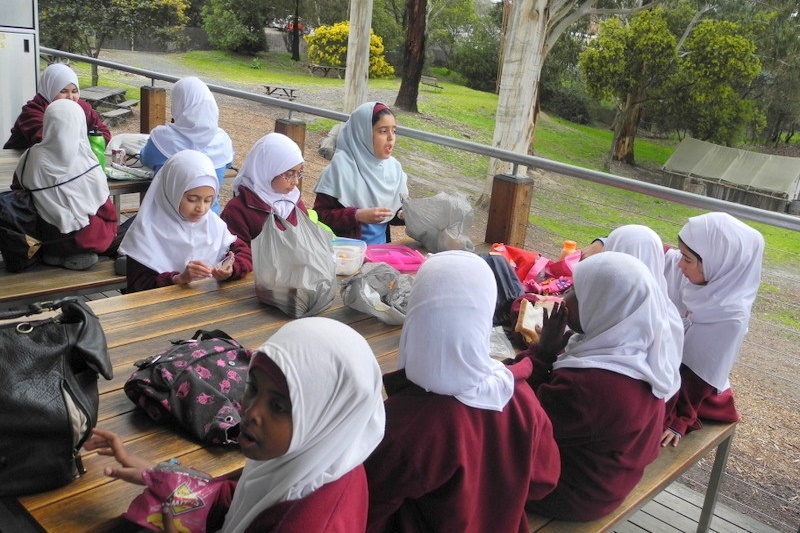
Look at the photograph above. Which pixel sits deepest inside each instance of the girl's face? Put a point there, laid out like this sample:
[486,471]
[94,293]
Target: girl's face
[285,182]
[266,427]
[69,92]
[196,202]
[691,266]
[384,133]
[573,315]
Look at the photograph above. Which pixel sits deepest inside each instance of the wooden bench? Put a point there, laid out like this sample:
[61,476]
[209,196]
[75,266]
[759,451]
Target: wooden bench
[42,282]
[431,81]
[670,464]
[325,69]
[280,92]
[114,116]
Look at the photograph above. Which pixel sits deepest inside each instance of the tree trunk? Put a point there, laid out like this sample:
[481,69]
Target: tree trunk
[626,131]
[413,55]
[296,32]
[523,54]
[357,68]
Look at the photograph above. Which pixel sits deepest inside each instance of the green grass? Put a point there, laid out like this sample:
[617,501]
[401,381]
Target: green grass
[583,208]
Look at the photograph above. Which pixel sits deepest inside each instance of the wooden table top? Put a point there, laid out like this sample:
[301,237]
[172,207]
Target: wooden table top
[142,324]
[10,157]
[100,93]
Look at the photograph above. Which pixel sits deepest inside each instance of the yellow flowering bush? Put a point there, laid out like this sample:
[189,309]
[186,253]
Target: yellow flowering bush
[328,46]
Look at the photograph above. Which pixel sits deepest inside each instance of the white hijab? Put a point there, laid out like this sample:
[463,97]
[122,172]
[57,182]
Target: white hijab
[271,155]
[54,78]
[337,415]
[444,346]
[64,154]
[355,176]
[644,244]
[160,238]
[622,314]
[717,314]
[195,124]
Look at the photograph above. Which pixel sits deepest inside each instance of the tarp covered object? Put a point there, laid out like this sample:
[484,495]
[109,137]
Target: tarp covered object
[776,174]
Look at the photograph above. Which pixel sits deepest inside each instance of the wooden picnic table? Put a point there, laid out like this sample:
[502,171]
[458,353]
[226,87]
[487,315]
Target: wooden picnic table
[97,95]
[325,69]
[8,164]
[142,324]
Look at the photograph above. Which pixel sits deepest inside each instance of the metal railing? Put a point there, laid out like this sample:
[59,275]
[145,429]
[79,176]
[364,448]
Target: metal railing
[658,191]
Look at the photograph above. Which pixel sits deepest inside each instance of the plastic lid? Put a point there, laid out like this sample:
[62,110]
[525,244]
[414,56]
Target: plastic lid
[570,244]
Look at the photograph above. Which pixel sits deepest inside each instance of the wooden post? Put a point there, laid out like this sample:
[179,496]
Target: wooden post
[296,131]
[509,210]
[154,108]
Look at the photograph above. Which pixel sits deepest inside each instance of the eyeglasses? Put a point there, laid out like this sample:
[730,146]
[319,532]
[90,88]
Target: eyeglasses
[292,175]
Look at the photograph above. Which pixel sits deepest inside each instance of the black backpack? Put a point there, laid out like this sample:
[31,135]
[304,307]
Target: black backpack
[509,288]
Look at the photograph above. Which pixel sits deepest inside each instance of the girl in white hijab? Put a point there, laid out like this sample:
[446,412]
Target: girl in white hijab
[713,277]
[644,244]
[311,414]
[359,193]
[70,190]
[605,392]
[267,182]
[58,82]
[465,435]
[174,239]
[195,126]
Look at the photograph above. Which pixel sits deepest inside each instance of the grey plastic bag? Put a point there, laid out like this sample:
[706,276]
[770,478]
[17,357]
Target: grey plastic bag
[294,268]
[440,222]
[379,290]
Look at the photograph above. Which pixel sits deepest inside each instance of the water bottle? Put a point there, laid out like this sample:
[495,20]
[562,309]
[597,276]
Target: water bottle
[98,144]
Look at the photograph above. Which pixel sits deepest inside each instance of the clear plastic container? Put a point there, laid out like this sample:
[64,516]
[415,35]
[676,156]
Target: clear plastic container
[349,254]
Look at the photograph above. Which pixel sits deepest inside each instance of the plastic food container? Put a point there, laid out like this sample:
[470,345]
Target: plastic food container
[349,254]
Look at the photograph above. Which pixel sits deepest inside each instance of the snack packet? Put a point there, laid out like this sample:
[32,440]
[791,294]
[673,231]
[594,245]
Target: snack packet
[190,493]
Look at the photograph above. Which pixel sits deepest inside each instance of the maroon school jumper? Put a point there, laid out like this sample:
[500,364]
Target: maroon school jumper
[141,278]
[342,220]
[246,213]
[336,507]
[608,429]
[446,467]
[27,130]
[697,399]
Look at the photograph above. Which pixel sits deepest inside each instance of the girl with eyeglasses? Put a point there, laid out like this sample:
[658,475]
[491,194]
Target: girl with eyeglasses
[267,183]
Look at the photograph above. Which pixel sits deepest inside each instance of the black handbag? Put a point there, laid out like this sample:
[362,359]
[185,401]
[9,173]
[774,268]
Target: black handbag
[48,394]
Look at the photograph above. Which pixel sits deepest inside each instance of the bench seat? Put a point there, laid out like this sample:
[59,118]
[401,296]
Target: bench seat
[431,81]
[115,115]
[670,464]
[44,282]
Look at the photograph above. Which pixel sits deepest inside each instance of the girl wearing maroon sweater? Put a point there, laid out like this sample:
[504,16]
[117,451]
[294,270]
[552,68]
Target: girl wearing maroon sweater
[58,82]
[467,442]
[267,183]
[77,220]
[311,413]
[175,238]
[605,393]
[713,279]
[359,193]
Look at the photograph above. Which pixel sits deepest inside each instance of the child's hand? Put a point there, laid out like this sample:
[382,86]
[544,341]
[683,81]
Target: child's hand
[553,338]
[224,269]
[194,270]
[373,215]
[110,444]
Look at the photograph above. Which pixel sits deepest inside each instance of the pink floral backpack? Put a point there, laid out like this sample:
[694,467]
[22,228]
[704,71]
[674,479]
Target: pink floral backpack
[196,384]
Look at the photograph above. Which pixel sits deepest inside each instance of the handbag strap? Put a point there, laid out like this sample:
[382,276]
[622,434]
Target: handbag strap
[25,164]
[37,308]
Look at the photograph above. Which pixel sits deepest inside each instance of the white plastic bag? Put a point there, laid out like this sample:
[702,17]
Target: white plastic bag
[379,290]
[294,268]
[440,222]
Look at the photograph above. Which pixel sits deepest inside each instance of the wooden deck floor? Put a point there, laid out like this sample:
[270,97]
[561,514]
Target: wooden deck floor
[677,509]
